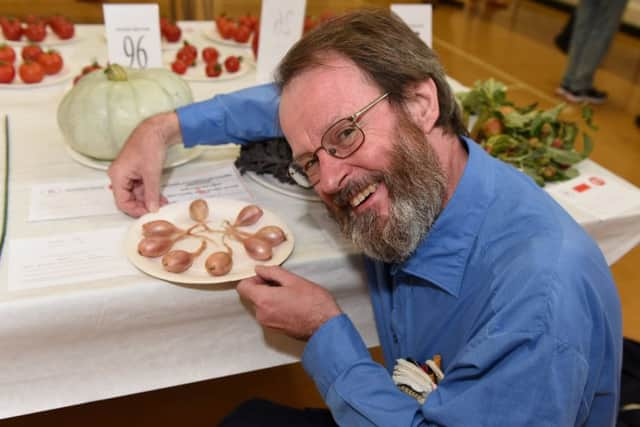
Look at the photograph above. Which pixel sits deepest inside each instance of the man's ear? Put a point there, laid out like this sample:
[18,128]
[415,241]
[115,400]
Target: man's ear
[422,104]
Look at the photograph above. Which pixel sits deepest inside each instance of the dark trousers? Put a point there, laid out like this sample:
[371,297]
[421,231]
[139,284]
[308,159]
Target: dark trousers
[263,413]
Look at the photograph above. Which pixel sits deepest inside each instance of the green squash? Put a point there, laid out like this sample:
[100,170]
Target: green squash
[103,108]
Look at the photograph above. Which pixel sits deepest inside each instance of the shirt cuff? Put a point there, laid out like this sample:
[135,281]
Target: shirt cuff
[331,350]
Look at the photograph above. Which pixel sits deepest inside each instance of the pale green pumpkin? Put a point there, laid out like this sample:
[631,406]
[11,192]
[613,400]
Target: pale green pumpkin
[103,108]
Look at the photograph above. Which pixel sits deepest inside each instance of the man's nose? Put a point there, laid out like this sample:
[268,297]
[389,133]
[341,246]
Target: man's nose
[332,173]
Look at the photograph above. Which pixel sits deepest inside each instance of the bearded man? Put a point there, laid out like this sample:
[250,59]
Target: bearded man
[466,257]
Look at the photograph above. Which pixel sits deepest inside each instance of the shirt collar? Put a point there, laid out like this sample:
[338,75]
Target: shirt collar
[442,256]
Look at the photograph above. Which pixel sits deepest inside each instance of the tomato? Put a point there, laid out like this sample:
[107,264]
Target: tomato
[248,21]
[32,19]
[179,67]
[172,33]
[31,72]
[64,30]
[31,52]
[164,23]
[191,49]
[242,34]
[12,29]
[7,54]
[213,69]
[493,126]
[221,21]
[7,72]
[51,62]
[35,32]
[557,143]
[232,63]
[91,68]
[186,56]
[210,54]
[309,24]
[228,30]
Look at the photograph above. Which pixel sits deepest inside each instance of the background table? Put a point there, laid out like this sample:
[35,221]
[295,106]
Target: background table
[82,342]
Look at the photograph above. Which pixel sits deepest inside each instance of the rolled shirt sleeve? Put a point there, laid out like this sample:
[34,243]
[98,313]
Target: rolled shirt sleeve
[239,117]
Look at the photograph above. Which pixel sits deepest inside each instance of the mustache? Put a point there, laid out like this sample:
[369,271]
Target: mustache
[342,199]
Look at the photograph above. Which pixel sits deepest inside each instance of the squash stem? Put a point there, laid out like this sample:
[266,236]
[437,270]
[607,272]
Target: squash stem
[116,73]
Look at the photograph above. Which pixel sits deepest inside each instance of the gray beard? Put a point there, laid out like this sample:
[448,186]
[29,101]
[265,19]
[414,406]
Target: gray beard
[417,187]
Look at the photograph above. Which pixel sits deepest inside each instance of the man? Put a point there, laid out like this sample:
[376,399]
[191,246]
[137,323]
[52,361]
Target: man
[466,257]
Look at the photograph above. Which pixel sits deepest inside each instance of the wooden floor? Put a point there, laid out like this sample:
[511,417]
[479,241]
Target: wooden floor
[513,45]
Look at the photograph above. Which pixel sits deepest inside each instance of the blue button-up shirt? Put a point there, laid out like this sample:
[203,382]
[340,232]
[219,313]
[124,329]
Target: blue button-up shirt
[507,288]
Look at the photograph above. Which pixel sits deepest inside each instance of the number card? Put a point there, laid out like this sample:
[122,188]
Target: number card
[417,17]
[280,27]
[133,34]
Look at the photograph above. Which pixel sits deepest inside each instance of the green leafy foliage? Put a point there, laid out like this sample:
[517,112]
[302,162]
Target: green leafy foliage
[537,142]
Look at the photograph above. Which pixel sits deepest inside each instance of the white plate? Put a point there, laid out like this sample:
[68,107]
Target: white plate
[212,34]
[174,157]
[220,210]
[272,183]
[198,74]
[51,39]
[64,75]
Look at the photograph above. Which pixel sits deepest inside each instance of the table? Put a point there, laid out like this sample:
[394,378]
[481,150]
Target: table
[81,342]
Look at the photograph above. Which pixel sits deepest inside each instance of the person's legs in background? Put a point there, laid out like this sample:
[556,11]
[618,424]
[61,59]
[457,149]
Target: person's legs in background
[596,22]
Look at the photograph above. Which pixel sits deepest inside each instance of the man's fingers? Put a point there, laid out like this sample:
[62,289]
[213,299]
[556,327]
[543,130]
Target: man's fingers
[276,275]
[151,184]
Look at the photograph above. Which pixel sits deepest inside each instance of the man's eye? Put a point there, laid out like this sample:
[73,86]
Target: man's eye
[347,134]
[310,164]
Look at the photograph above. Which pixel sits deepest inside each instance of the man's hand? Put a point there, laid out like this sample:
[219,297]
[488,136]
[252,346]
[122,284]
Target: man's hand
[135,173]
[287,302]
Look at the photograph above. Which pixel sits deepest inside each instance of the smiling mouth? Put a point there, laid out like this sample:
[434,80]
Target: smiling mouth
[363,195]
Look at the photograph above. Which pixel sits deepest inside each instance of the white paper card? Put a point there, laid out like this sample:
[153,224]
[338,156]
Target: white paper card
[133,35]
[597,194]
[67,259]
[280,27]
[73,200]
[418,17]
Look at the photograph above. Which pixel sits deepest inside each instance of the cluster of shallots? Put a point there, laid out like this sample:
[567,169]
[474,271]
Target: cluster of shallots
[160,235]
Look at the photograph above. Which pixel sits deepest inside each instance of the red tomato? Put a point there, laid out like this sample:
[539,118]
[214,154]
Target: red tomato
[248,21]
[64,30]
[32,19]
[213,69]
[228,30]
[12,29]
[186,56]
[179,67]
[31,72]
[221,21]
[7,72]
[51,62]
[242,34]
[232,63]
[7,54]
[35,32]
[172,33]
[31,52]
[210,54]
[309,24]
[188,47]
[90,68]
[164,23]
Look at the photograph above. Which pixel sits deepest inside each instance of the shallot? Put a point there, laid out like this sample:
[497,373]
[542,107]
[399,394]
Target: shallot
[218,263]
[199,210]
[179,260]
[159,228]
[155,246]
[249,215]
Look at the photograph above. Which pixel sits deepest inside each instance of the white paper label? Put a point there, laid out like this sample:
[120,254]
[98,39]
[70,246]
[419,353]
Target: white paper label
[417,17]
[133,35]
[280,27]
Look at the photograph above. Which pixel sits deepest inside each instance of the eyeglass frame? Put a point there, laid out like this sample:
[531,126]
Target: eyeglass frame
[295,169]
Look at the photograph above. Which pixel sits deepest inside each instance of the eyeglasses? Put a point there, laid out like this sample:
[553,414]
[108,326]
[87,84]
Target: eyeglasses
[340,140]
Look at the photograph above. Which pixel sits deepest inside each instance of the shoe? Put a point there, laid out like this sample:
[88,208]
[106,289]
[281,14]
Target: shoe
[591,95]
[562,43]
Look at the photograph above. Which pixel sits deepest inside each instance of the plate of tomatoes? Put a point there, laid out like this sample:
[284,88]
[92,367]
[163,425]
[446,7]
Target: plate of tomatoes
[207,64]
[233,32]
[31,67]
[53,30]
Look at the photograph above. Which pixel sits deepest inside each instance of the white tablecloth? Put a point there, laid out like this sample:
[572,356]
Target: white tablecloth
[83,342]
